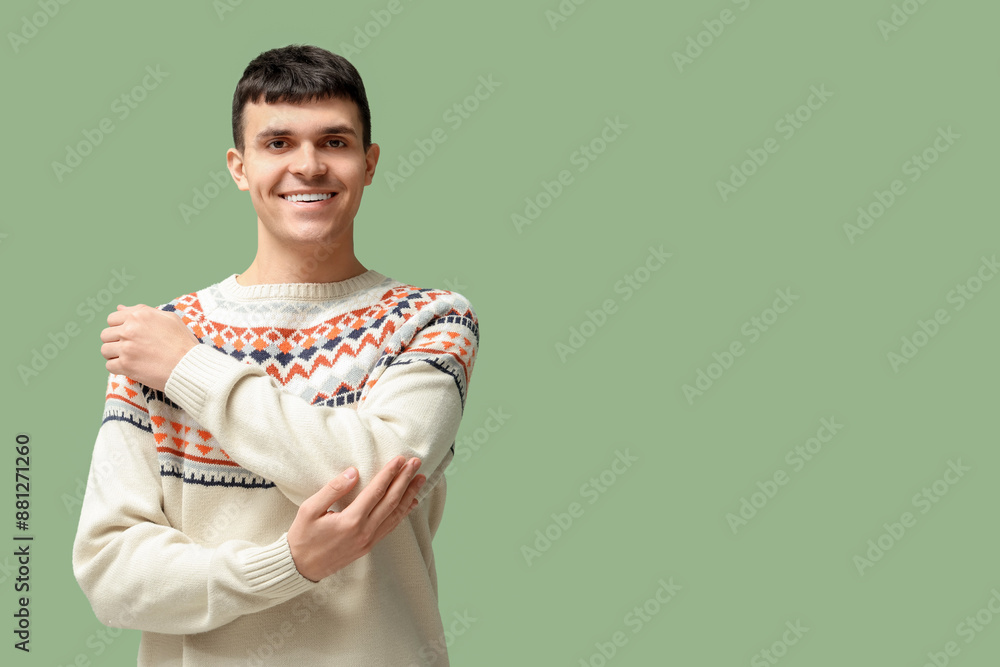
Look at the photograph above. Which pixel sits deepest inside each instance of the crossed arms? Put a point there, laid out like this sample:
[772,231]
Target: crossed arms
[412,412]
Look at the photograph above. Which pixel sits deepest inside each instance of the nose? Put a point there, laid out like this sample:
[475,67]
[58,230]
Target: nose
[307,162]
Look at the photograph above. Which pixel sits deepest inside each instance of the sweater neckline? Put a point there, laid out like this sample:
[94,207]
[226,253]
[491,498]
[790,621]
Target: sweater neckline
[302,291]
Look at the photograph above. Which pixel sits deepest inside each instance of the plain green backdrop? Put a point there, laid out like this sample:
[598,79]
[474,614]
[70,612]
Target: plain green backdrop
[740,138]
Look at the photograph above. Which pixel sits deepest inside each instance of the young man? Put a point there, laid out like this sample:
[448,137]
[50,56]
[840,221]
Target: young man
[238,415]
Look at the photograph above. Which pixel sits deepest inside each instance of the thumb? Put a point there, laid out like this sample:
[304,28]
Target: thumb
[332,491]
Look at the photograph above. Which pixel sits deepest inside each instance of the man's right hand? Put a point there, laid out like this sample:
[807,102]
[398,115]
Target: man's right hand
[323,542]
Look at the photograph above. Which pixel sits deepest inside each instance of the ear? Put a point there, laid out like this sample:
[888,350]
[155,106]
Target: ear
[371,159]
[234,160]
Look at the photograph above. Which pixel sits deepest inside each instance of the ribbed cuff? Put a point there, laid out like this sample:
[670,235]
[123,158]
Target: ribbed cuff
[201,368]
[271,571]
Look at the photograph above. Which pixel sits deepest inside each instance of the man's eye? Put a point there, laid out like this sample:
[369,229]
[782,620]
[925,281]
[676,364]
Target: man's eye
[276,141]
[337,141]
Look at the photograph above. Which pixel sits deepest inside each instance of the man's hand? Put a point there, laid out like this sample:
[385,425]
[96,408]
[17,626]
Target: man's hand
[323,542]
[145,344]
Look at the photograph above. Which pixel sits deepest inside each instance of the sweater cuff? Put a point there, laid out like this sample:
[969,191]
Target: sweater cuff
[271,572]
[201,368]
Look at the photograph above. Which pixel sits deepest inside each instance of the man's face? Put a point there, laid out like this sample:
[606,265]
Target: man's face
[313,148]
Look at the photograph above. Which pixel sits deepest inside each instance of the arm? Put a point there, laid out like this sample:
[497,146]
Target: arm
[140,572]
[413,408]
[137,570]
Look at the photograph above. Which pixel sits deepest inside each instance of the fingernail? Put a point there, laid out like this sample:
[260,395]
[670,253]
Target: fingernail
[350,473]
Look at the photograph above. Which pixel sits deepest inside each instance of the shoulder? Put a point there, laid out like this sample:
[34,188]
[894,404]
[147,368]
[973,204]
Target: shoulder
[414,310]
[454,302]
[431,306]
[417,298]
[194,304]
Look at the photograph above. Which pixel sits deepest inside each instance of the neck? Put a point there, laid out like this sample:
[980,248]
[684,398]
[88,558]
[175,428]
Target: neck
[321,264]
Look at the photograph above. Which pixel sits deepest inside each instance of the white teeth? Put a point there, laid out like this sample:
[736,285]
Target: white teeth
[309,197]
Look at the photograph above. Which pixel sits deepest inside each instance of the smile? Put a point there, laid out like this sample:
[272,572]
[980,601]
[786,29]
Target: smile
[318,196]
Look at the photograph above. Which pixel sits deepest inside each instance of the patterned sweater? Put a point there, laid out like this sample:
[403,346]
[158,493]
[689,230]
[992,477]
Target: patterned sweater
[192,490]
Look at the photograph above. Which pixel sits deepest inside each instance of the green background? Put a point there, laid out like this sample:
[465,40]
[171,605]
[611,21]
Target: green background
[449,225]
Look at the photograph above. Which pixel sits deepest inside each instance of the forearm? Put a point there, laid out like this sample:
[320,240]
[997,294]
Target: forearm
[149,577]
[299,446]
[139,572]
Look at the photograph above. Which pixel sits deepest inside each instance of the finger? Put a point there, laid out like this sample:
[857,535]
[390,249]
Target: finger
[406,505]
[409,499]
[110,351]
[394,495]
[362,506]
[121,312]
[110,335]
[318,503]
[115,367]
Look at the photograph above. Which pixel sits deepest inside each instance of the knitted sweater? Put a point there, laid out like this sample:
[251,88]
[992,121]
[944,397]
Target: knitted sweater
[192,490]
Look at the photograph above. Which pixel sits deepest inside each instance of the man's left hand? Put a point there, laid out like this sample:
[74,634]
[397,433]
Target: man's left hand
[145,344]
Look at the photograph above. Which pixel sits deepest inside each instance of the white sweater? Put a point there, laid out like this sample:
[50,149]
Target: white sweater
[192,490]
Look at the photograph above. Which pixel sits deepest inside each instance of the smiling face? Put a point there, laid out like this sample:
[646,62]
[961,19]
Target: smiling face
[305,167]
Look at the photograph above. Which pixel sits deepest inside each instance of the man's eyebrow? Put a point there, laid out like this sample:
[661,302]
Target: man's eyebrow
[284,132]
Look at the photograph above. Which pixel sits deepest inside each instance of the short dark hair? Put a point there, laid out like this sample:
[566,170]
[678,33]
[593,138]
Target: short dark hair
[298,73]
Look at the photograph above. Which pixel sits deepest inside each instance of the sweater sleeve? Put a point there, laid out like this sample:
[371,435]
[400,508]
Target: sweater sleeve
[137,570]
[413,406]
